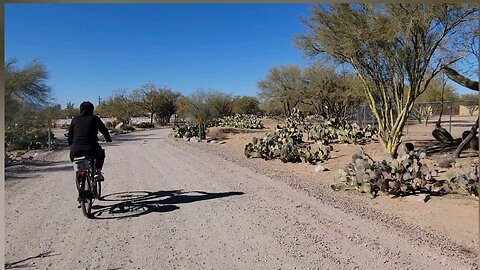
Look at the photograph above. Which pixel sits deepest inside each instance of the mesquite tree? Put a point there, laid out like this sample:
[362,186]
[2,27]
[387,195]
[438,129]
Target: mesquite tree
[283,84]
[329,93]
[395,50]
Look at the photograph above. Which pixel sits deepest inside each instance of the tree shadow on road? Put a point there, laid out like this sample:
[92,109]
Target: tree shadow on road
[29,169]
[22,264]
[138,203]
[132,137]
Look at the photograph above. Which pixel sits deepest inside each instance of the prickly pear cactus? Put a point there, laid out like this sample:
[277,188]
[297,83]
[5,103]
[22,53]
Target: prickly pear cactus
[188,131]
[245,121]
[286,144]
[335,130]
[466,179]
[405,175]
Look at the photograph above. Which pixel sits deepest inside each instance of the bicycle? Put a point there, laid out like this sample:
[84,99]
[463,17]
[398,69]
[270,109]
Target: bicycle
[90,189]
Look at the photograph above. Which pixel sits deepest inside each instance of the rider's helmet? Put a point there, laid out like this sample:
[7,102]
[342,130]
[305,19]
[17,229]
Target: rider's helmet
[86,108]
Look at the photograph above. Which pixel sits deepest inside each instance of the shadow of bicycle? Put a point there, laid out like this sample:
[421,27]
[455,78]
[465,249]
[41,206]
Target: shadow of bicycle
[138,203]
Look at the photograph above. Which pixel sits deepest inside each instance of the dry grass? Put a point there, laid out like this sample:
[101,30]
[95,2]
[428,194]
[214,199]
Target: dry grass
[216,134]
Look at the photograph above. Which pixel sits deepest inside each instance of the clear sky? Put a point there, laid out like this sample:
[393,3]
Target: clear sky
[92,50]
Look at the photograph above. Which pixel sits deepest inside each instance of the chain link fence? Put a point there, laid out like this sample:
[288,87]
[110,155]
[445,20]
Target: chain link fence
[454,115]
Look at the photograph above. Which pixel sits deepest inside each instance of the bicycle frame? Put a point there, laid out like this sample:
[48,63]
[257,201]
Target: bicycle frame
[85,182]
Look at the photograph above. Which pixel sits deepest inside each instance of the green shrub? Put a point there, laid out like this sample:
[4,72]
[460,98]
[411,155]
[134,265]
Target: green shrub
[26,136]
[127,127]
[144,125]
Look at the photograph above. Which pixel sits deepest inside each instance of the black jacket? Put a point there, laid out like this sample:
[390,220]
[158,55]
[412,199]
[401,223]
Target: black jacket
[84,129]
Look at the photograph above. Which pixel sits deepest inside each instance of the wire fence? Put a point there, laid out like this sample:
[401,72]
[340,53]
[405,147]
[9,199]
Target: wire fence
[454,115]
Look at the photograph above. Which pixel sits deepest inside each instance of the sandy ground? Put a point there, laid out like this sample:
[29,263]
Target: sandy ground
[456,216]
[182,205]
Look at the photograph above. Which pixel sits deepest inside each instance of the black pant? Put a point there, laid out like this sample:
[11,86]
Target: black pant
[94,151]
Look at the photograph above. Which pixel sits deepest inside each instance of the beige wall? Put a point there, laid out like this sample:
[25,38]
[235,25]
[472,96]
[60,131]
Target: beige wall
[465,112]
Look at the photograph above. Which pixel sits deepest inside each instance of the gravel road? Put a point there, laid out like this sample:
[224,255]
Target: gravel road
[169,205]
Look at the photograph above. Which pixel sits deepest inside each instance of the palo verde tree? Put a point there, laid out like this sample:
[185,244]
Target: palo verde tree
[24,86]
[394,49]
[196,105]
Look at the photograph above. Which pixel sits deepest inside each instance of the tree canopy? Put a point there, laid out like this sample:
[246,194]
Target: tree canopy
[395,49]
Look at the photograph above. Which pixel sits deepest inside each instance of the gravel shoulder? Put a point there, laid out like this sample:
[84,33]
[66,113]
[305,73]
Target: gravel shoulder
[179,205]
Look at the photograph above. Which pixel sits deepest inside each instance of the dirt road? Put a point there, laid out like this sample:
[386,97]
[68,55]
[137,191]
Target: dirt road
[169,206]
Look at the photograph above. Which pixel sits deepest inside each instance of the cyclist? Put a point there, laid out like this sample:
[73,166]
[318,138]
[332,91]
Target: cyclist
[83,140]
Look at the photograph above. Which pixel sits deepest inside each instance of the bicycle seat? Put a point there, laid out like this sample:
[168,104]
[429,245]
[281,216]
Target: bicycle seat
[81,163]
[80,158]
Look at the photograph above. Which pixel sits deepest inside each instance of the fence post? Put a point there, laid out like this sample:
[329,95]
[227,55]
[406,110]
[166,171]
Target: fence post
[451,112]
[49,124]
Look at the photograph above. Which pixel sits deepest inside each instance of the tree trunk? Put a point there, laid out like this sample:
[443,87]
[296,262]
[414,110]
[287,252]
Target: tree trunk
[466,141]
[392,146]
[439,121]
[462,80]
[285,109]
[151,119]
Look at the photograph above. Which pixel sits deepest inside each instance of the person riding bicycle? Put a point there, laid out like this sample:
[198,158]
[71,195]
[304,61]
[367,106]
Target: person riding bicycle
[83,140]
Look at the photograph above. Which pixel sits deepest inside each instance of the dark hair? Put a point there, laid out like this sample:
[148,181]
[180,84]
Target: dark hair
[86,108]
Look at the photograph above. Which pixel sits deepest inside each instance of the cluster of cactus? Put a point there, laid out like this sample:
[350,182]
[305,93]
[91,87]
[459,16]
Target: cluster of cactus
[335,130]
[273,146]
[246,121]
[466,179]
[286,144]
[402,176]
[187,131]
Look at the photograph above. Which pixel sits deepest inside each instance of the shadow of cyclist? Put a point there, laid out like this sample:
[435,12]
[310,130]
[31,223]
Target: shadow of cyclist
[138,203]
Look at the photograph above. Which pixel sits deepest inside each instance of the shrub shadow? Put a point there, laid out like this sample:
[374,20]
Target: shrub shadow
[23,264]
[31,166]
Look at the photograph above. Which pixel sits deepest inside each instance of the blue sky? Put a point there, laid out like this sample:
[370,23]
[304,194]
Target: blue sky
[93,50]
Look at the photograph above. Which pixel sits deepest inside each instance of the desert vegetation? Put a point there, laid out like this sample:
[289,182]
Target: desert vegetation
[394,58]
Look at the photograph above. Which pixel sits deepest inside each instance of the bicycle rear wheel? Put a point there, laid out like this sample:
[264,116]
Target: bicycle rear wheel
[99,190]
[87,196]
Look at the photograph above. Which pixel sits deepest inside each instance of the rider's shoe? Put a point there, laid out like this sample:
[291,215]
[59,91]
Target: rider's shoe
[99,177]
